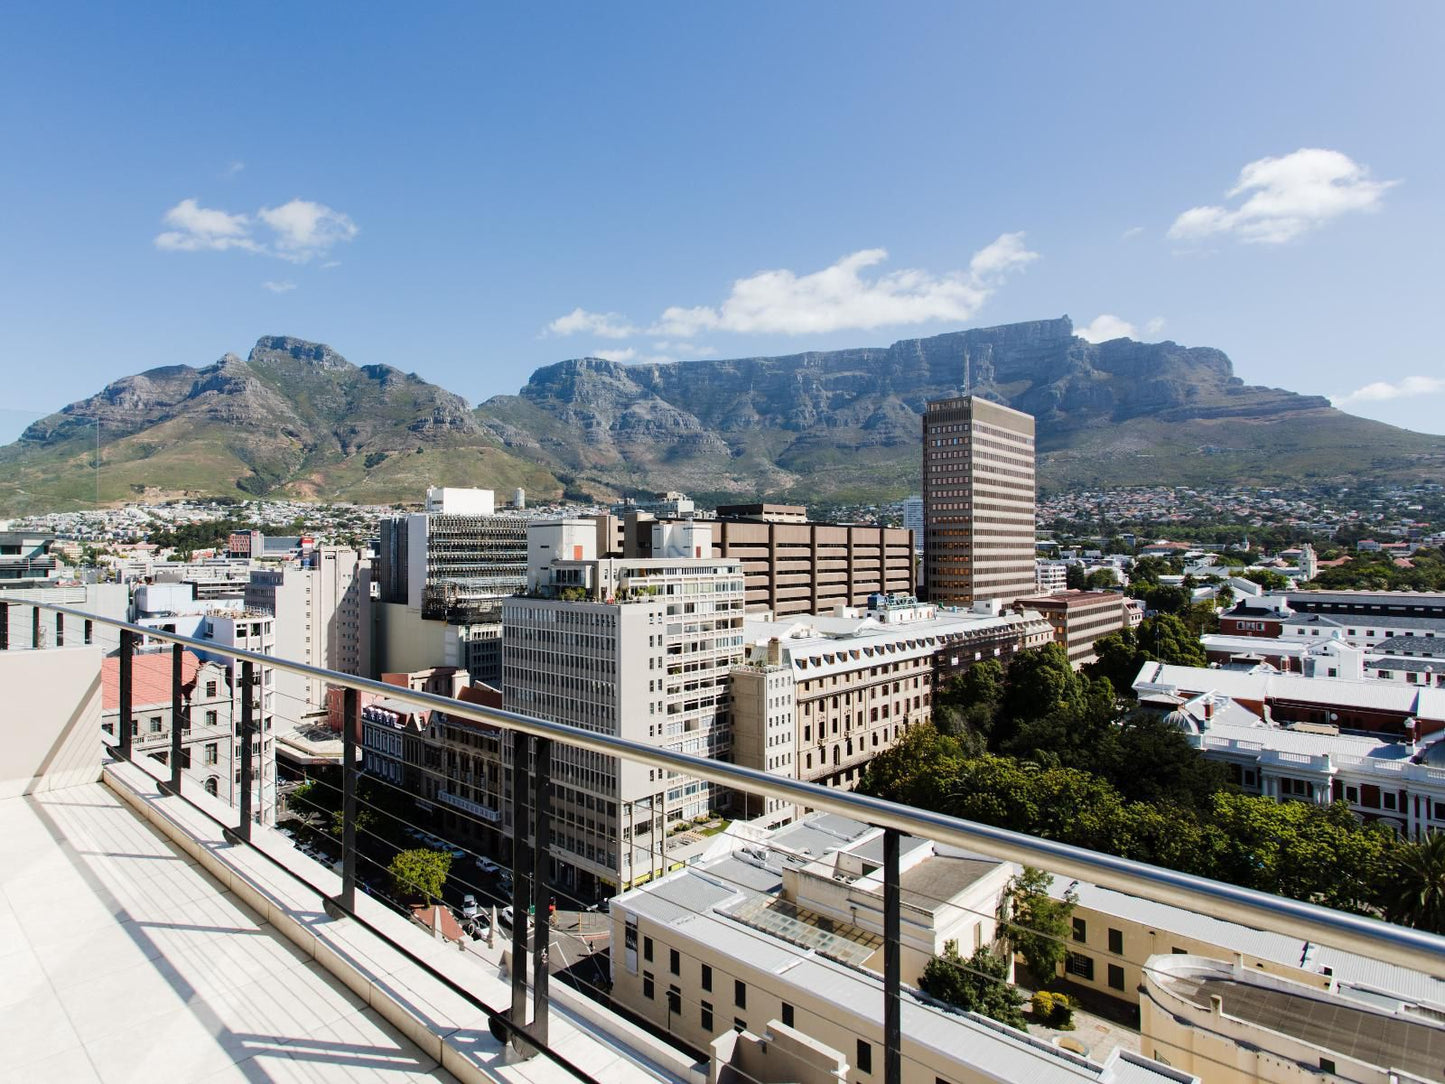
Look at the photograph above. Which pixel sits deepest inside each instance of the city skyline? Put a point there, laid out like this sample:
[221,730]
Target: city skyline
[470,196]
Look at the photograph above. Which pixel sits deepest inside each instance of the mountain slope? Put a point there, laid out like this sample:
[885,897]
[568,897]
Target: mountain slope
[845,423]
[296,419]
[293,419]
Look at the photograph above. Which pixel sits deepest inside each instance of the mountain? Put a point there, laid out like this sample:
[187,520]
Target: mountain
[296,419]
[293,419]
[845,423]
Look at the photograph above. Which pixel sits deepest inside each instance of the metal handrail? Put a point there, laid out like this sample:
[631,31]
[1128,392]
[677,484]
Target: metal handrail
[1399,945]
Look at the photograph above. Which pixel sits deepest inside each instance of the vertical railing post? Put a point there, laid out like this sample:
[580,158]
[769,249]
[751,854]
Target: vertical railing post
[123,724]
[892,963]
[243,829]
[59,630]
[541,877]
[351,721]
[521,886]
[4,626]
[180,712]
[35,627]
[89,629]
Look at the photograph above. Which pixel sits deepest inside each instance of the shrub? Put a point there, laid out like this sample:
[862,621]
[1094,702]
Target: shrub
[1053,1010]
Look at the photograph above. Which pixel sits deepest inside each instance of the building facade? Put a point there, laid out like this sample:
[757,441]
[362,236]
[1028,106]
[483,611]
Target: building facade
[1079,618]
[979,501]
[640,648]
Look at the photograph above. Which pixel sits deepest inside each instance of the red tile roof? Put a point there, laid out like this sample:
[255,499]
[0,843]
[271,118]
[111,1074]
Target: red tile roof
[150,678]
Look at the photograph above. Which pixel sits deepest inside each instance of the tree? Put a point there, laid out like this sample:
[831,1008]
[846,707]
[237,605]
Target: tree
[1034,924]
[1075,577]
[1267,578]
[1041,681]
[979,984]
[420,872]
[919,770]
[1118,658]
[1166,638]
[1101,579]
[1415,892]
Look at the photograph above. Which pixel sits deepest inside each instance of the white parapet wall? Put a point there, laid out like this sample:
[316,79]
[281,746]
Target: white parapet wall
[52,719]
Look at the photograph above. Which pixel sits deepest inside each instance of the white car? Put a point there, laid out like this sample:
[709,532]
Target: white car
[486,865]
[470,908]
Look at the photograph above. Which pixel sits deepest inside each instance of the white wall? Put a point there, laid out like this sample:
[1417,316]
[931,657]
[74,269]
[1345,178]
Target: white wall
[52,699]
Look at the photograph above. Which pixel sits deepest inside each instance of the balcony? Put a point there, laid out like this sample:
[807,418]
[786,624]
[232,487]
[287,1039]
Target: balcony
[151,931]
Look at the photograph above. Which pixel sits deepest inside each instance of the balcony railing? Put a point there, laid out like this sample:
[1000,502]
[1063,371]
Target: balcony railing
[531,746]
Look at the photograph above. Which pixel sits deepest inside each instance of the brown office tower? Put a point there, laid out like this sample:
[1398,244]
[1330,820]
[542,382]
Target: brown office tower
[978,501]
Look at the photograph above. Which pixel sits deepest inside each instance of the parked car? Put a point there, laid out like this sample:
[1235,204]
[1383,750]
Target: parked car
[486,865]
[470,907]
[507,917]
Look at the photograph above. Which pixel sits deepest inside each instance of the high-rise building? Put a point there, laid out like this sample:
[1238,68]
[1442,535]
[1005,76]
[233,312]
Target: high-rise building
[642,648]
[913,520]
[978,501]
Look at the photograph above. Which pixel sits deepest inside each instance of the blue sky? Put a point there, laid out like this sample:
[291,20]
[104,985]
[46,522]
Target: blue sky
[468,192]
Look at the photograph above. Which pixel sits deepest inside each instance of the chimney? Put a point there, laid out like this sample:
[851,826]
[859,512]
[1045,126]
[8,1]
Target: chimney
[775,652]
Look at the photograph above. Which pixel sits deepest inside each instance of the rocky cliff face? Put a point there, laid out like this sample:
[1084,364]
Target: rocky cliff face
[296,418]
[795,421]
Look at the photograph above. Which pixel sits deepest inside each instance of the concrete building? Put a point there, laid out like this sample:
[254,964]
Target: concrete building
[821,695]
[322,619]
[207,724]
[715,946]
[978,497]
[1233,1025]
[27,560]
[792,566]
[765,513]
[641,648]
[1051,577]
[453,501]
[1384,708]
[913,520]
[441,580]
[1079,618]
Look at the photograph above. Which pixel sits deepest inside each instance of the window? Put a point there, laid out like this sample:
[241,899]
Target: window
[787,1015]
[210,688]
[648,991]
[707,977]
[740,993]
[674,962]
[674,1000]
[865,1056]
[1116,942]
[1327,1065]
[1080,965]
[706,1016]
[155,724]
[739,1024]
[1116,977]
[212,752]
[647,948]
[1081,930]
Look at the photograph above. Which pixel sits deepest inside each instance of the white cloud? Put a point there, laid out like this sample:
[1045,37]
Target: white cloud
[302,230]
[1105,327]
[608,325]
[841,297]
[278,287]
[1154,326]
[837,298]
[1132,231]
[234,168]
[305,229]
[1286,197]
[1381,390]
[625,354]
[199,229]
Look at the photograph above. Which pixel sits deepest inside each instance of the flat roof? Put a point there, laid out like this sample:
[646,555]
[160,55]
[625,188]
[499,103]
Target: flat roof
[1329,1022]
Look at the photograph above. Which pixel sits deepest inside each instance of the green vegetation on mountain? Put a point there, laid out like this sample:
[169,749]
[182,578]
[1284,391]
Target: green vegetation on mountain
[295,419]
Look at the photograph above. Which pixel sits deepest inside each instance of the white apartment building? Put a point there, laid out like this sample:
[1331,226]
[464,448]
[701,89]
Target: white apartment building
[1050,577]
[639,648]
[785,927]
[322,618]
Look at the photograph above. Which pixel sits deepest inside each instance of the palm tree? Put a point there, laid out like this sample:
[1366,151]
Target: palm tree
[1416,894]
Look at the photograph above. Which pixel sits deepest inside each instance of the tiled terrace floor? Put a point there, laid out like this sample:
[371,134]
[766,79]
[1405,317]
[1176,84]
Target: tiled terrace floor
[122,960]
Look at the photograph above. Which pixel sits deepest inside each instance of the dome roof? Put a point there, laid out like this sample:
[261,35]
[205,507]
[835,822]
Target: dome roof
[1182,720]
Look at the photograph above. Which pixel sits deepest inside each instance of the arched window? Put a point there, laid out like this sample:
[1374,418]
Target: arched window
[213,786]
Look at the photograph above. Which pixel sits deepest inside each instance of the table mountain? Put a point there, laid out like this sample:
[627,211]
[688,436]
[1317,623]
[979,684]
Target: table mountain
[297,419]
